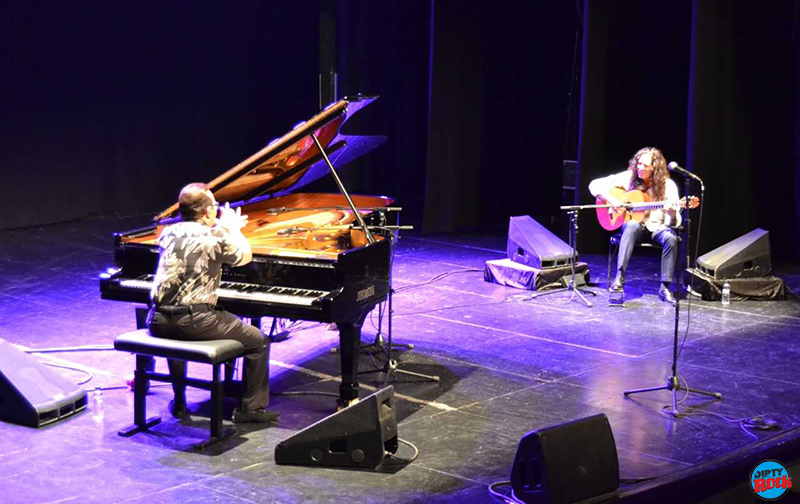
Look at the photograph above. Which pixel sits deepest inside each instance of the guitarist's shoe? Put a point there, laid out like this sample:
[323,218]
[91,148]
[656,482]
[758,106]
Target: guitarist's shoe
[616,296]
[619,282]
[666,295]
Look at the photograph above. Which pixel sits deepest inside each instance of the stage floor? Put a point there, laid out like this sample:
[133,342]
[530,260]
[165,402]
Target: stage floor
[508,364]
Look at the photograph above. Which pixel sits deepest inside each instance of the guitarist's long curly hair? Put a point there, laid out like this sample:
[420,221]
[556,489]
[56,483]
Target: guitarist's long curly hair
[660,173]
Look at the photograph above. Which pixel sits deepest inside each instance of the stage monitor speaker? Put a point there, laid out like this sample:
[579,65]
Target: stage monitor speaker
[33,394]
[745,257]
[357,436]
[566,463]
[533,245]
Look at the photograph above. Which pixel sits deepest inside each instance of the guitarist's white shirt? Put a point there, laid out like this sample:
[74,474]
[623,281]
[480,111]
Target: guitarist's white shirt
[656,219]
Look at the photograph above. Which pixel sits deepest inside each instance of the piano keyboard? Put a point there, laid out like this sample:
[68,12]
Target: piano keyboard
[247,292]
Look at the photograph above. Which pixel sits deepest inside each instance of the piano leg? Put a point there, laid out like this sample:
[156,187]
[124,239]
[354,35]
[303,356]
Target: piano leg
[349,344]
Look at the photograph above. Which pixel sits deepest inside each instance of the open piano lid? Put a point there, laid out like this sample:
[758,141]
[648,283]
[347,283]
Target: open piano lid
[293,160]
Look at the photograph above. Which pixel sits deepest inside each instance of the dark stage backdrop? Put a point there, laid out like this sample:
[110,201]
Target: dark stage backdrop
[710,82]
[473,100]
[498,111]
[111,107]
[383,49]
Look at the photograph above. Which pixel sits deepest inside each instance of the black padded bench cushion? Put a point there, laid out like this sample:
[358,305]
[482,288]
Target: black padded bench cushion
[209,352]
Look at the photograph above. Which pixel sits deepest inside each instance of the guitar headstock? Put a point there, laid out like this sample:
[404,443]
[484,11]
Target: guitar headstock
[690,201]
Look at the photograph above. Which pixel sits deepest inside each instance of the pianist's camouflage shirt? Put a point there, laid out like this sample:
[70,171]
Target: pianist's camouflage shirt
[190,263]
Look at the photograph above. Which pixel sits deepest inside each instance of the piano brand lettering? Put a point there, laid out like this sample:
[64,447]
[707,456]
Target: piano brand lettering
[769,480]
[365,293]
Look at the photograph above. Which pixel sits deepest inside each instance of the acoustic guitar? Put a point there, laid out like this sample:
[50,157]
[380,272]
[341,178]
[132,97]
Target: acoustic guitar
[639,208]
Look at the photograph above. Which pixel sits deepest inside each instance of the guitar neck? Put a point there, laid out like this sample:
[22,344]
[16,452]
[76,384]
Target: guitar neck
[650,205]
[653,205]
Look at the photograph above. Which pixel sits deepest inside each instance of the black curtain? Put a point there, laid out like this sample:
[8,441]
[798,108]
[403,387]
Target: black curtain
[382,49]
[634,91]
[474,101]
[712,84]
[111,108]
[498,113]
[742,118]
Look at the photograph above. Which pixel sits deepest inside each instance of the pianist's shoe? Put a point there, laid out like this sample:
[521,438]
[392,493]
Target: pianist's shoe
[255,416]
[178,411]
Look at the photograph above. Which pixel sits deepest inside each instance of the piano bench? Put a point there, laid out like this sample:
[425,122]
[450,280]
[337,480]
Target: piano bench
[216,353]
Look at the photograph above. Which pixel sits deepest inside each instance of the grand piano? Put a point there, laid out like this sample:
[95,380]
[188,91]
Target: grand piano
[318,257]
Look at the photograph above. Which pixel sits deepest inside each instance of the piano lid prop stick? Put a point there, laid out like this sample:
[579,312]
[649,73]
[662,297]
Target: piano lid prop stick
[370,238]
[338,207]
[339,228]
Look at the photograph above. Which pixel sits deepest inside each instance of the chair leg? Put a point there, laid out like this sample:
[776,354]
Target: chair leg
[612,250]
[614,298]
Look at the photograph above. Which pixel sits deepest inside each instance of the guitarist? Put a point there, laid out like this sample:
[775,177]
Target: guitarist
[647,172]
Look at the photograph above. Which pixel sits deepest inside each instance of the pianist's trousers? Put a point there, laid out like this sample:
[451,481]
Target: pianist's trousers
[633,232]
[215,325]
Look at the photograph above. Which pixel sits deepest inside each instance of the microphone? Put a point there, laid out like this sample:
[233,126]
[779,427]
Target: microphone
[673,166]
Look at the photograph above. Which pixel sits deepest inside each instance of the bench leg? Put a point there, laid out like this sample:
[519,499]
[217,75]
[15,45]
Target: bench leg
[140,385]
[217,431]
[216,403]
[232,386]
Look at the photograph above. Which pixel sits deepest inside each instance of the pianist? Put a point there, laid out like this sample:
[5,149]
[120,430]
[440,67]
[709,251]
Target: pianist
[185,301]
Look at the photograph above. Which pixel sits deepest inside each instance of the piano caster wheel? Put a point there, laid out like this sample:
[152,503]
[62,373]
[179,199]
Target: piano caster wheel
[340,405]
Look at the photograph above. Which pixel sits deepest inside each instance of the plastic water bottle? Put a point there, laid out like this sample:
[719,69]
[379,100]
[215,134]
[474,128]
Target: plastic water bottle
[97,396]
[726,293]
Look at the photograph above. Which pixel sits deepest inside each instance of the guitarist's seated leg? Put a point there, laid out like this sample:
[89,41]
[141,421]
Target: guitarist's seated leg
[668,240]
[632,232]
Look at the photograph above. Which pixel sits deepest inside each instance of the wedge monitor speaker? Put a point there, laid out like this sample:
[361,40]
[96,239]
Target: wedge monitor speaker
[357,436]
[533,245]
[31,393]
[745,257]
[566,463]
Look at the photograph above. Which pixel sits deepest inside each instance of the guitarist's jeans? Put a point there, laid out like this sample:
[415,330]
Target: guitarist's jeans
[633,232]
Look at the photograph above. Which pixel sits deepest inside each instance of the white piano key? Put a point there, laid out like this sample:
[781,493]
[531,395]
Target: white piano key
[249,294]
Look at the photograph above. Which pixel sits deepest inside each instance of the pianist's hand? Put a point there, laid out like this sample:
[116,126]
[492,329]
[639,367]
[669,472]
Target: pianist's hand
[231,219]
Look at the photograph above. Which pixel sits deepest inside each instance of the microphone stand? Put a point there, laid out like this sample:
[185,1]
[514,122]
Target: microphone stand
[572,211]
[673,382]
